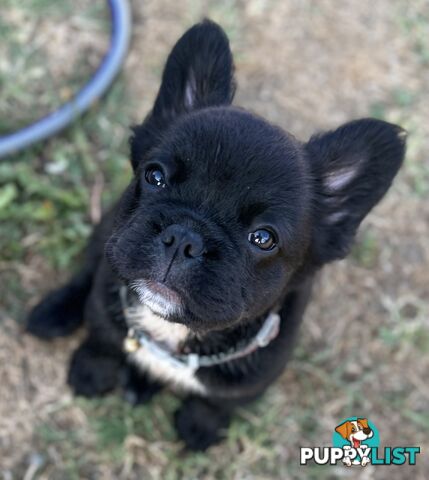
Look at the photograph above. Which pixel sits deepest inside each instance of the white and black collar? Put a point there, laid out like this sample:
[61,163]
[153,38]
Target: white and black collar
[138,338]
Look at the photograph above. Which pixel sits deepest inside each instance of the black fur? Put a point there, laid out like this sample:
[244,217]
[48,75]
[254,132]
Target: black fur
[228,173]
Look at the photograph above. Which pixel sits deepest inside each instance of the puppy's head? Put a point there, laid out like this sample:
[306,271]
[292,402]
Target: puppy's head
[225,209]
[355,431]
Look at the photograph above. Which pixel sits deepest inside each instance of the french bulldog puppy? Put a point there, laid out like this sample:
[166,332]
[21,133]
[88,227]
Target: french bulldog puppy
[205,266]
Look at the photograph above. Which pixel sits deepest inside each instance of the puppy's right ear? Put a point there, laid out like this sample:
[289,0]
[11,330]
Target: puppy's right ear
[352,167]
[198,74]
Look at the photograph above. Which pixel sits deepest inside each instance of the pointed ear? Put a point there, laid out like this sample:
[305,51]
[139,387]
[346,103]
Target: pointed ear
[198,73]
[344,430]
[353,167]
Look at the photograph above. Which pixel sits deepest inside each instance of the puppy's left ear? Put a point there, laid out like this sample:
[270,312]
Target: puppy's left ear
[198,74]
[353,167]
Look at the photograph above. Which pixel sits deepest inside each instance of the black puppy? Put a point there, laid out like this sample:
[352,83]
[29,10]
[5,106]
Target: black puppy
[211,251]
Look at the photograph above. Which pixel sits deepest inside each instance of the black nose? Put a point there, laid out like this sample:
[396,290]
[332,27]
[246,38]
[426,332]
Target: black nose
[367,431]
[188,243]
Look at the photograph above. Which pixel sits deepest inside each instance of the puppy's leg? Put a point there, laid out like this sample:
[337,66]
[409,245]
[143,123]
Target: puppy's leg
[346,458]
[96,365]
[138,387]
[95,368]
[61,311]
[201,423]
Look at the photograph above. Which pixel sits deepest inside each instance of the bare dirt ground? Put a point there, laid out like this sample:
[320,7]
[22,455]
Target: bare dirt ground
[364,347]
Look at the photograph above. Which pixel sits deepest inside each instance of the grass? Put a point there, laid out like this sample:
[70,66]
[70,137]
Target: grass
[28,48]
[115,430]
[366,250]
[364,347]
[46,192]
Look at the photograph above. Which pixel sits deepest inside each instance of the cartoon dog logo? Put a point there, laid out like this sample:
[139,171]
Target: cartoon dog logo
[356,432]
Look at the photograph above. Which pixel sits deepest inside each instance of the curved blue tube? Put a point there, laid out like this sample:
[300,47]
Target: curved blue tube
[90,93]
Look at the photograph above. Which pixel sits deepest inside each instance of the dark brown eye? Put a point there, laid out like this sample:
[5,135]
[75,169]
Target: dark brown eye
[262,238]
[155,176]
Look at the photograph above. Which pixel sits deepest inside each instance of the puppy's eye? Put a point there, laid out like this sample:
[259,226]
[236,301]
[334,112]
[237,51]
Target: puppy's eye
[155,176]
[262,238]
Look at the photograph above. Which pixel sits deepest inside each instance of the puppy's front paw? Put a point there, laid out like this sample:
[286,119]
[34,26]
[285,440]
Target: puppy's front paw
[346,459]
[200,424]
[57,315]
[93,373]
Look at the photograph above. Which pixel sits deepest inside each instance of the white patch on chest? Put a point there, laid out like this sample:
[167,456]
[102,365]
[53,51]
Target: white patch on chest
[171,334]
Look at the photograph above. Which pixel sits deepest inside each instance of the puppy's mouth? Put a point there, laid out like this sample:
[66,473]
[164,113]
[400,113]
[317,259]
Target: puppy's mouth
[161,299]
[356,442]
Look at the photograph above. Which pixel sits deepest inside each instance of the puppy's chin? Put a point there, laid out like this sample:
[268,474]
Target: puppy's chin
[160,299]
[170,306]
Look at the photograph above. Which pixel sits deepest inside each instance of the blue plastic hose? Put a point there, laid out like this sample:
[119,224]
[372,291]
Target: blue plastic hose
[90,93]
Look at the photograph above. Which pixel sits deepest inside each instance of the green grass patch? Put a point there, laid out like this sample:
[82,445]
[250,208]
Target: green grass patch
[112,420]
[366,250]
[45,191]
